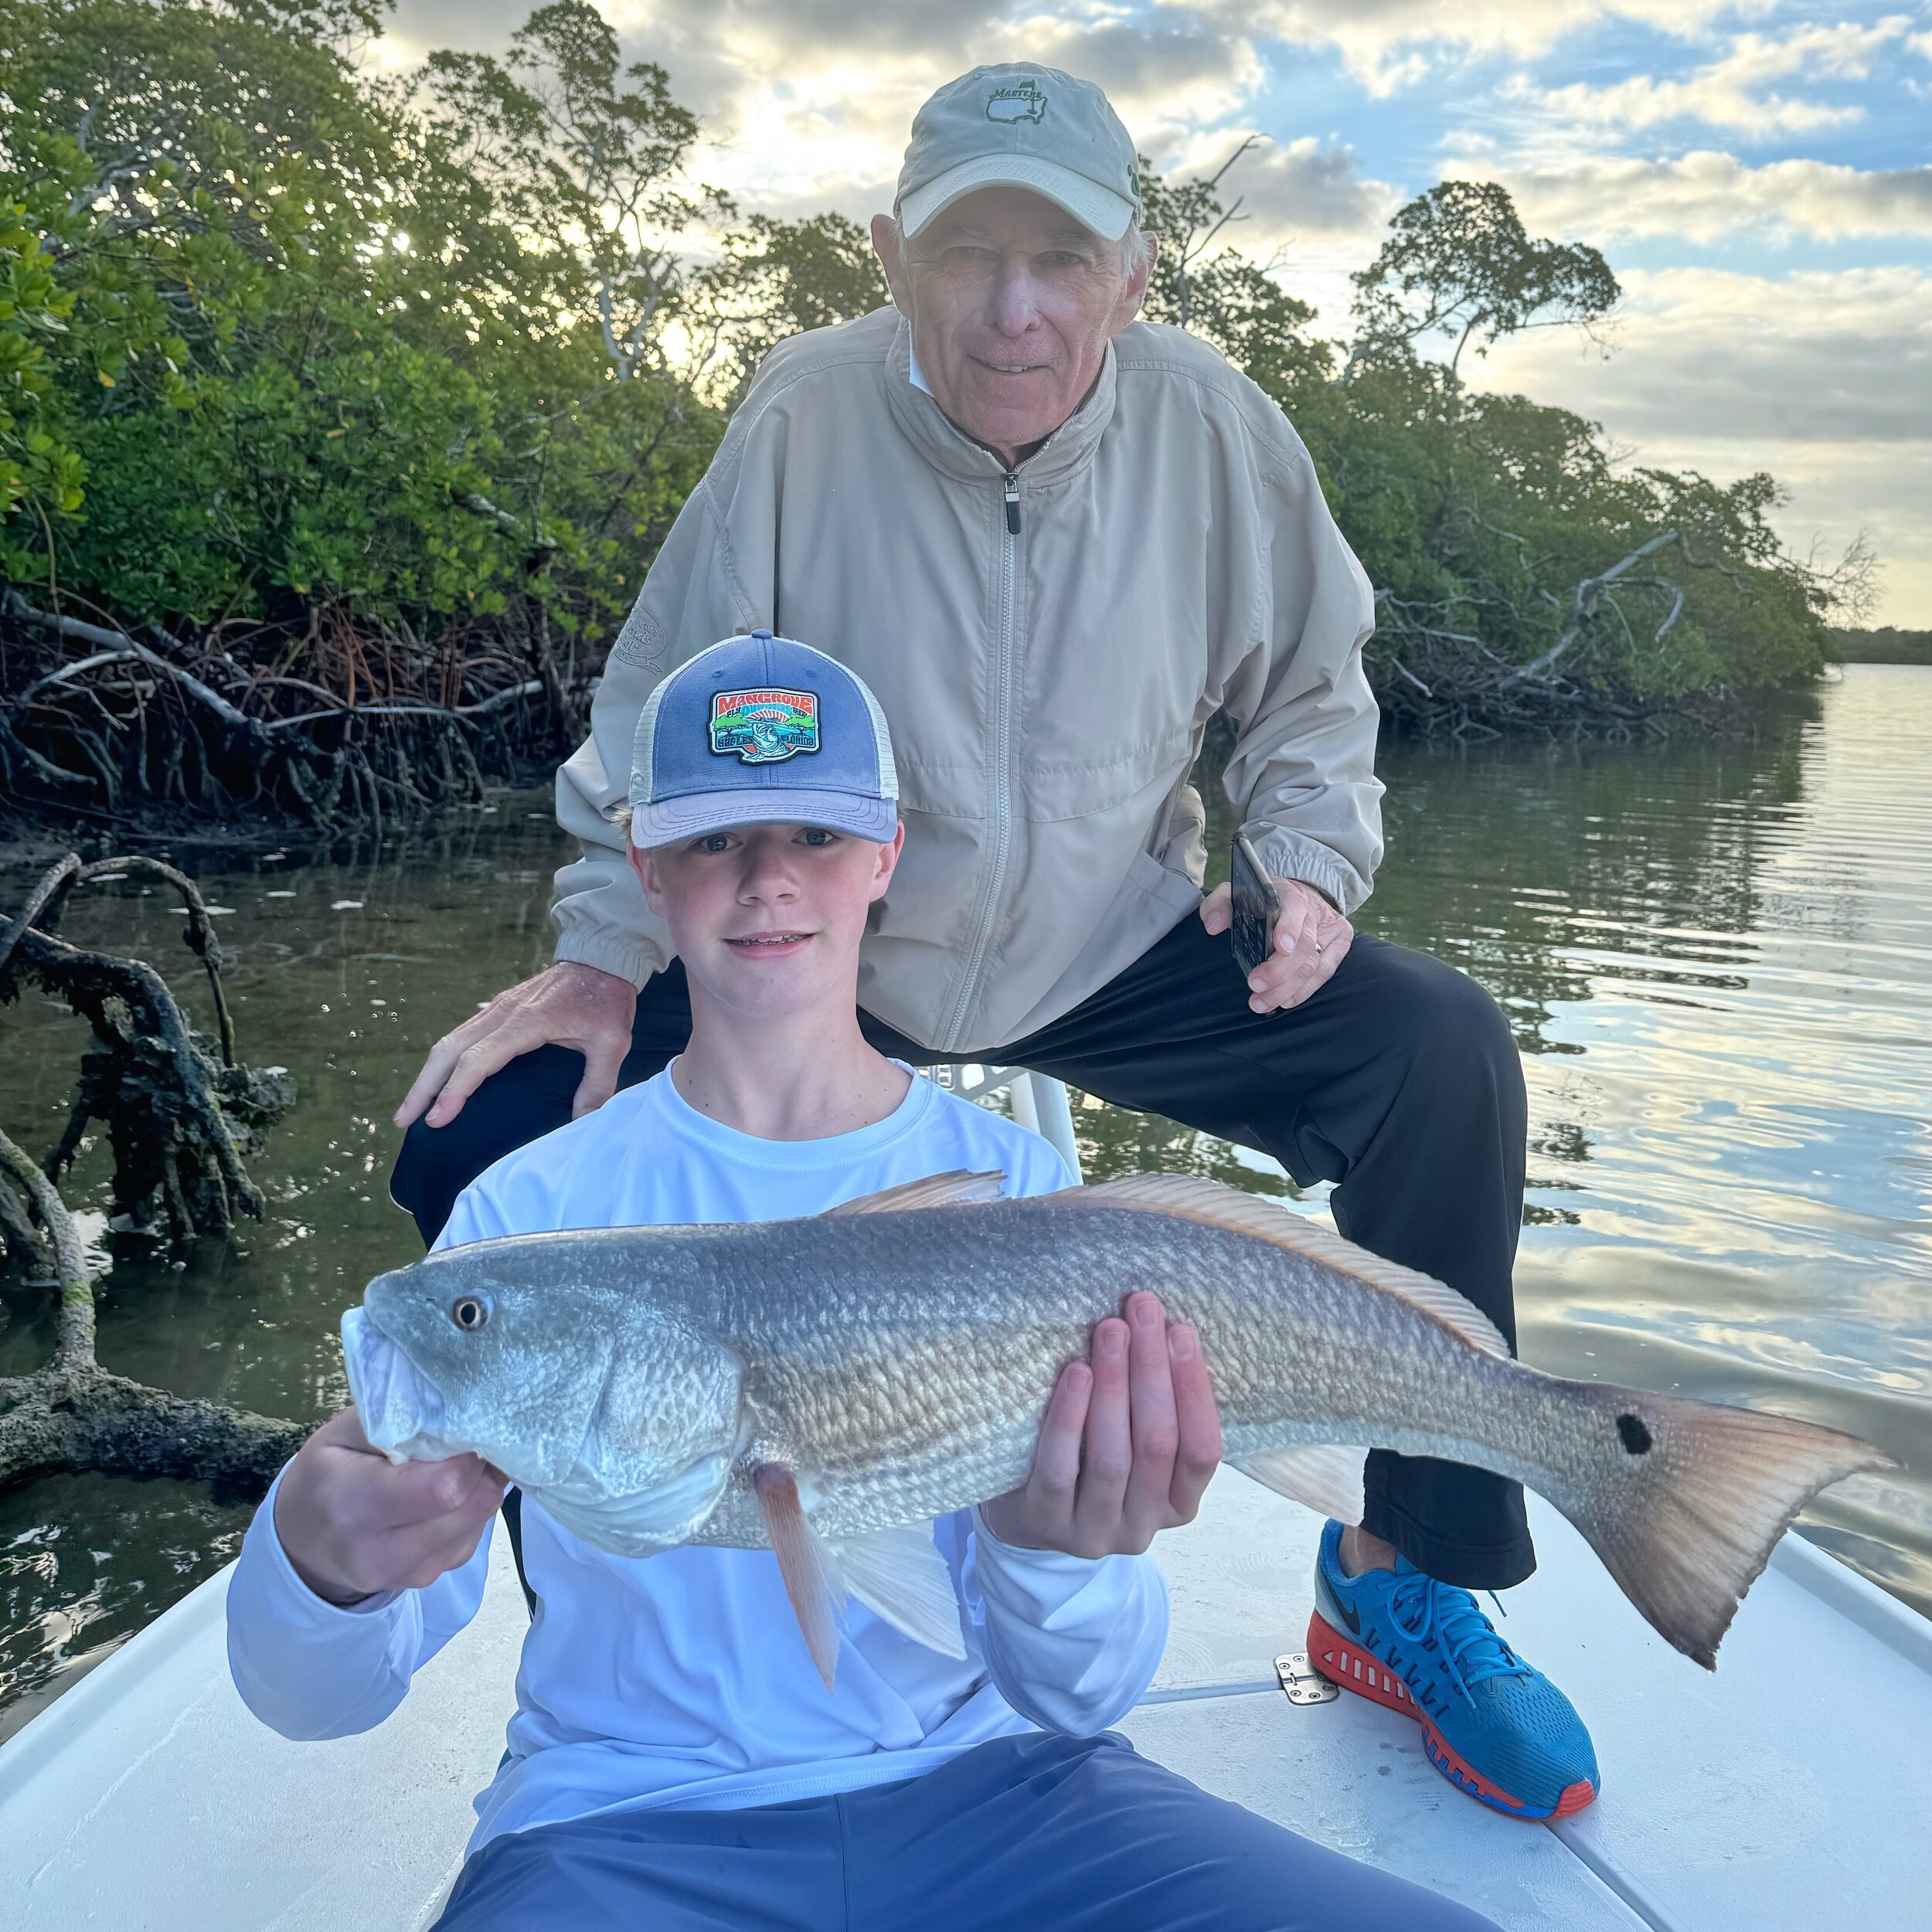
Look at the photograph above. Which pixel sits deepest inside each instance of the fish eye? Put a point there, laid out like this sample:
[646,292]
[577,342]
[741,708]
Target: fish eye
[468,1313]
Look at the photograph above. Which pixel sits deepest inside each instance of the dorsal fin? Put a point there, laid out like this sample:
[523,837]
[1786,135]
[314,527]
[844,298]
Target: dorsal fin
[957,1189]
[1188,1198]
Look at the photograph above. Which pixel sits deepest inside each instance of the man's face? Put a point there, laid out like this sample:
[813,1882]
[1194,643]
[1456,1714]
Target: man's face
[1012,304]
[767,919]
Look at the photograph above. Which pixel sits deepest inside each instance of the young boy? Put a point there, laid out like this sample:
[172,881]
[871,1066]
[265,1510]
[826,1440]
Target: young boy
[675,1761]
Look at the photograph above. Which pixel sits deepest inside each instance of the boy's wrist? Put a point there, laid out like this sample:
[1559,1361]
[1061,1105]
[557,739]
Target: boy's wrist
[316,1580]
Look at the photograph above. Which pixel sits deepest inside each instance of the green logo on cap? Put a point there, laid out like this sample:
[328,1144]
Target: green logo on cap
[1023,103]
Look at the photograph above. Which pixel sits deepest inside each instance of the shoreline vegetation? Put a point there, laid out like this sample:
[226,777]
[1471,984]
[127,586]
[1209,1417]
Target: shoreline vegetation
[1885,646]
[342,412]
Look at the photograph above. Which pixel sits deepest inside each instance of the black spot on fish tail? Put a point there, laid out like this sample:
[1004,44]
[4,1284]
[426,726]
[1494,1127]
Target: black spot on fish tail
[1635,1435]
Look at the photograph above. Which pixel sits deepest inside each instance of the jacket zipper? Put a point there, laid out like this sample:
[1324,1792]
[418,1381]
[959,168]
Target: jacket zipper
[1002,765]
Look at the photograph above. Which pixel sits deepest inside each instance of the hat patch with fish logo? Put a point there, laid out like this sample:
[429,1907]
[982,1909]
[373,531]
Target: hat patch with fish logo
[763,727]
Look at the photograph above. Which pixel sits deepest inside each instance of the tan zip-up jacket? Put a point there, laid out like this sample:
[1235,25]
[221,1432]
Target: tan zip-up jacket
[1048,648]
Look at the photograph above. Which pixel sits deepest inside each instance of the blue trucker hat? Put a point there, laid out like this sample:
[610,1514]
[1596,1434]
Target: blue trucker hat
[756,731]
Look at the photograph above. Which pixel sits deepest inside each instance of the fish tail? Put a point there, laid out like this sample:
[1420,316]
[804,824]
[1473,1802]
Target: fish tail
[1687,1500]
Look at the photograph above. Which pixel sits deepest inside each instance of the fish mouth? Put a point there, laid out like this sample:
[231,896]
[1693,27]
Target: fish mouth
[401,1413]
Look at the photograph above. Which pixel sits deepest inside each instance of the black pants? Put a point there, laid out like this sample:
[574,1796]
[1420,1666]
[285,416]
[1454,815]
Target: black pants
[1399,1081]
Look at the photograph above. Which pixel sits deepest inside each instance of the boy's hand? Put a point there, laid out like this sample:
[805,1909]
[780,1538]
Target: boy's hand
[354,1523]
[1128,1445]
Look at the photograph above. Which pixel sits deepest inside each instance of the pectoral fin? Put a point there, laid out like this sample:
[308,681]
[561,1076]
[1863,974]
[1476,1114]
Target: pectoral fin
[1325,1476]
[899,1575]
[813,1586]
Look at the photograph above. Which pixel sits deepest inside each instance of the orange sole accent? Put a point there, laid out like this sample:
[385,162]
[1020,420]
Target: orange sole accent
[1356,1669]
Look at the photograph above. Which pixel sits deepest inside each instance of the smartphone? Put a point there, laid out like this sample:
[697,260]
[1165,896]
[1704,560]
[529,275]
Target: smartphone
[1256,906]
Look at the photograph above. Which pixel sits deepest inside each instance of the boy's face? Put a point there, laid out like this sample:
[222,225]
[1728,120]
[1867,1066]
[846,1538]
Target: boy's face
[767,919]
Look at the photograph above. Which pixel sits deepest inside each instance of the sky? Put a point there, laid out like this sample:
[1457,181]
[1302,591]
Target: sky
[1759,177]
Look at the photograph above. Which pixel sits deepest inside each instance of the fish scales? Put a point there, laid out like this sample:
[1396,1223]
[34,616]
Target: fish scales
[895,1366]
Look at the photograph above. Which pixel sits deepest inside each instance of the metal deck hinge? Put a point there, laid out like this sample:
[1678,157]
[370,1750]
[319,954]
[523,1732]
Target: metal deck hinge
[1303,1682]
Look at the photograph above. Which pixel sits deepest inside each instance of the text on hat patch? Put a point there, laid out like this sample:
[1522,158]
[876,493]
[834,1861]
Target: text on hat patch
[1023,103]
[763,726]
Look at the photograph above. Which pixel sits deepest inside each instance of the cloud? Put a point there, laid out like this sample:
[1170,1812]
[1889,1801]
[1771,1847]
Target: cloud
[1707,197]
[1824,379]
[1815,355]
[1392,45]
[809,102]
[1730,92]
[1288,189]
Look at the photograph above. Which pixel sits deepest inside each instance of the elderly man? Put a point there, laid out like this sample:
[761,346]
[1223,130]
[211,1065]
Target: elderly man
[1056,541]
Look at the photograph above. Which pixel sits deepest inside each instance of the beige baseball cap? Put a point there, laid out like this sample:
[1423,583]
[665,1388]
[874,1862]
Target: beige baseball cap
[1021,126]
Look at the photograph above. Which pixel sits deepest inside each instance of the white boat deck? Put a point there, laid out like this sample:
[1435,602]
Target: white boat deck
[1789,1791]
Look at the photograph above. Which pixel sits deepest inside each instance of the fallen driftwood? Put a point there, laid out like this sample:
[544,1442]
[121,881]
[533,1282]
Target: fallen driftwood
[141,721]
[72,1414]
[1434,672]
[179,1118]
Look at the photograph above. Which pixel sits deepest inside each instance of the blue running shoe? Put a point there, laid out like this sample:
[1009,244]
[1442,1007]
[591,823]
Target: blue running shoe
[1491,1724]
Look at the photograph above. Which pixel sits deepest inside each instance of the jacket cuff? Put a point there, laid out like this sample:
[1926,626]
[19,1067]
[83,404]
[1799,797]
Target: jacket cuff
[610,953]
[1293,855]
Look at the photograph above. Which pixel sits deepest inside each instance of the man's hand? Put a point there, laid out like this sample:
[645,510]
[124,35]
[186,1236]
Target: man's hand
[1130,1441]
[1311,939]
[354,1523]
[565,1005]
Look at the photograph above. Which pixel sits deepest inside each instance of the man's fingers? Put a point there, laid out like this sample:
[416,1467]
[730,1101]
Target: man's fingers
[1294,931]
[429,1083]
[1154,1430]
[1107,1452]
[1198,1451]
[473,1067]
[1311,941]
[1217,910]
[343,1430]
[1334,949]
[1288,983]
[603,1059]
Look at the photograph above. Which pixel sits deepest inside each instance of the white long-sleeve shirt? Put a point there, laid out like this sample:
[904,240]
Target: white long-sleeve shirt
[681,1679]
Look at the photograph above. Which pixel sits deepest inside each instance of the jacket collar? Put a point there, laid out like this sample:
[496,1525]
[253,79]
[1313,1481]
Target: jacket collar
[954,453]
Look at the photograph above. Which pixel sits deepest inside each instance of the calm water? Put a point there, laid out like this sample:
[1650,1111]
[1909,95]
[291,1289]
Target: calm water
[1718,960]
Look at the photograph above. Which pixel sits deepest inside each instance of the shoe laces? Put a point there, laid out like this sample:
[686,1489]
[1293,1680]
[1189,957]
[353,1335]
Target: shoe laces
[1422,1608]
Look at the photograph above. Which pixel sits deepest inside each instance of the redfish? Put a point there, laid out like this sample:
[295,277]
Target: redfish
[826,1387]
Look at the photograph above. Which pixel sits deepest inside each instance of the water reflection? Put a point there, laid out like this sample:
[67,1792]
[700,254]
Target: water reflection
[1717,958]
